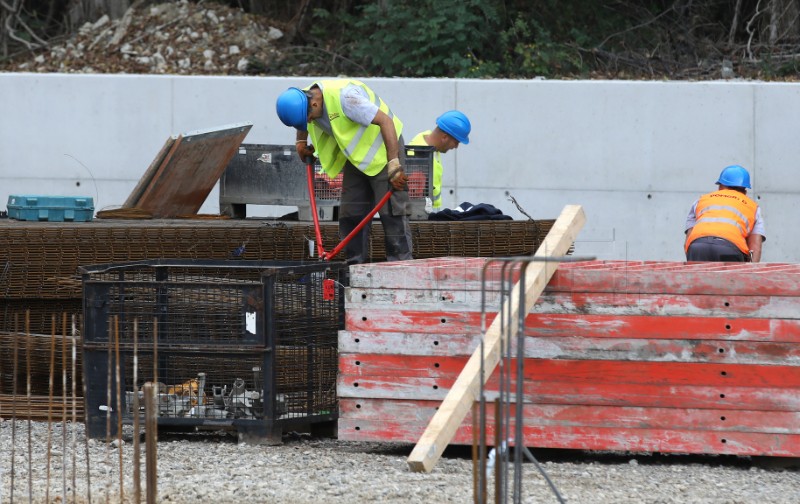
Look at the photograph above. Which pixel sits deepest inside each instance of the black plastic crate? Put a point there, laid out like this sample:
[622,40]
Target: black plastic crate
[247,345]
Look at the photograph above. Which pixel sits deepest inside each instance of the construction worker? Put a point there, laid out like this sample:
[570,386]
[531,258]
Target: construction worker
[352,130]
[725,225]
[452,128]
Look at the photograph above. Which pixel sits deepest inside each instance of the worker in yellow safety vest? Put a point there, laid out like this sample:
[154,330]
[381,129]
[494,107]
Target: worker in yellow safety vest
[452,128]
[725,225]
[353,131]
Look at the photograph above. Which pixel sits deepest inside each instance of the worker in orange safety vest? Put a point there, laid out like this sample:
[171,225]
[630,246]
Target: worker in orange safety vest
[725,225]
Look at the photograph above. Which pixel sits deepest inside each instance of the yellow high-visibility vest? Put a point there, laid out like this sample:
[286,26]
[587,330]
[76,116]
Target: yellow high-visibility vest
[361,145]
[436,198]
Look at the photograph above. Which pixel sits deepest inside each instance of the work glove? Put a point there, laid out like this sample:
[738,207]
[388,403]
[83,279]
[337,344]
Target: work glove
[305,151]
[397,177]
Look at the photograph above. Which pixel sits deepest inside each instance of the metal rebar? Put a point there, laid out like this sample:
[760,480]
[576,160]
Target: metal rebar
[519,439]
[151,426]
[151,439]
[498,470]
[109,373]
[118,406]
[475,467]
[64,406]
[73,353]
[14,404]
[50,404]
[137,477]
[28,351]
[503,438]
[86,448]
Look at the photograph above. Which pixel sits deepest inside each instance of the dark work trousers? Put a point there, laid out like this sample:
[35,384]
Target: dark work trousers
[711,248]
[360,194]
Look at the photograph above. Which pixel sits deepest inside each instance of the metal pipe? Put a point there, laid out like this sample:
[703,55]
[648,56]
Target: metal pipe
[313,198]
[330,255]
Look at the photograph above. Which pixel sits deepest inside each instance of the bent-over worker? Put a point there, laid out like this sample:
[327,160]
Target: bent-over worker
[355,132]
[725,225]
[452,128]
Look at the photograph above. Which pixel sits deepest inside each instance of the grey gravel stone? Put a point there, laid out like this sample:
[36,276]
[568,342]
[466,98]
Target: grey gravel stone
[212,467]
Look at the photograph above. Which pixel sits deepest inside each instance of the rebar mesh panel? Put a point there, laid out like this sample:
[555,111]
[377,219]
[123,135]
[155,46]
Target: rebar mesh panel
[34,353]
[307,322]
[40,260]
[186,313]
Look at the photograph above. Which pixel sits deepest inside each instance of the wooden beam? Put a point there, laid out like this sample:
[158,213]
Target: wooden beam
[466,389]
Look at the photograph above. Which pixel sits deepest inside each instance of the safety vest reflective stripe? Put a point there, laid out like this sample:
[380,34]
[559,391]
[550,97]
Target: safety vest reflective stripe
[373,149]
[733,220]
[715,208]
[361,145]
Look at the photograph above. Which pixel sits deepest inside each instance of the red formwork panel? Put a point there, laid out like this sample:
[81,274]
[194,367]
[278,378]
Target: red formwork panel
[646,356]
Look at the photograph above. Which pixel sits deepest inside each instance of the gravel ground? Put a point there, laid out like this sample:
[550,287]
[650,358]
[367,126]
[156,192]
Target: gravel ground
[212,467]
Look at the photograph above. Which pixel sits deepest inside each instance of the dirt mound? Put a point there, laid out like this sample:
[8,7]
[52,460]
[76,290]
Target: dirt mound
[169,38]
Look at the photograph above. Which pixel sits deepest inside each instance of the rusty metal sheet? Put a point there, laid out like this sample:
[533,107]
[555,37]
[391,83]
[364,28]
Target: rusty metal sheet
[189,171]
[144,182]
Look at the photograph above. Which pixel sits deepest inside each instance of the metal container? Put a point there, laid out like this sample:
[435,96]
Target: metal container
[243,345]
[274,175]
[51,208]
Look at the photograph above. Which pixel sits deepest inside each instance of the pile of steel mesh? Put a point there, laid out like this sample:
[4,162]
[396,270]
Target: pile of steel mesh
[36,374]
[39,262]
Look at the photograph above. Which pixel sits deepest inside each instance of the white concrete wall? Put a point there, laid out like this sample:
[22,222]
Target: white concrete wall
[634,154]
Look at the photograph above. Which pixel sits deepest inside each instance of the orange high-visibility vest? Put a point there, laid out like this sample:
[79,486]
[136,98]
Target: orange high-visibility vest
[726,214]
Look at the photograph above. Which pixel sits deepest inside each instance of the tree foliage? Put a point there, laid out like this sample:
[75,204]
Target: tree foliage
[487,38]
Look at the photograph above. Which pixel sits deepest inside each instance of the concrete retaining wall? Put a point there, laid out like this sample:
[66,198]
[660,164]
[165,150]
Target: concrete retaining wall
[634,154]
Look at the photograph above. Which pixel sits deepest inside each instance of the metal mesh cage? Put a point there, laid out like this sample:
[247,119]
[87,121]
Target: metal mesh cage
[246,344]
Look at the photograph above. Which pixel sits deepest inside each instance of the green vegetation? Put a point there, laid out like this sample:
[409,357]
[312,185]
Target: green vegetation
[669,39]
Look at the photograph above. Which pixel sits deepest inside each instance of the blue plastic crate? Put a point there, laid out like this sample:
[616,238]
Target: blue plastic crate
[51,208]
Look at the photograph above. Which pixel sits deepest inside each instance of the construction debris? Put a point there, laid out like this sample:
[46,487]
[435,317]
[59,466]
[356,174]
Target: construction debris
[170,38]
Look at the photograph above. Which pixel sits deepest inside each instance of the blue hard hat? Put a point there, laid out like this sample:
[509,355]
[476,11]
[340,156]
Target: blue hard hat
[292,107]
[734,176]
[455,124]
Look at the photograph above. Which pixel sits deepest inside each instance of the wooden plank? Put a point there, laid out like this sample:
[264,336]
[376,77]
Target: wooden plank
[456,405]
[557,415]
[602,439]
[586,393]
[184,180]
